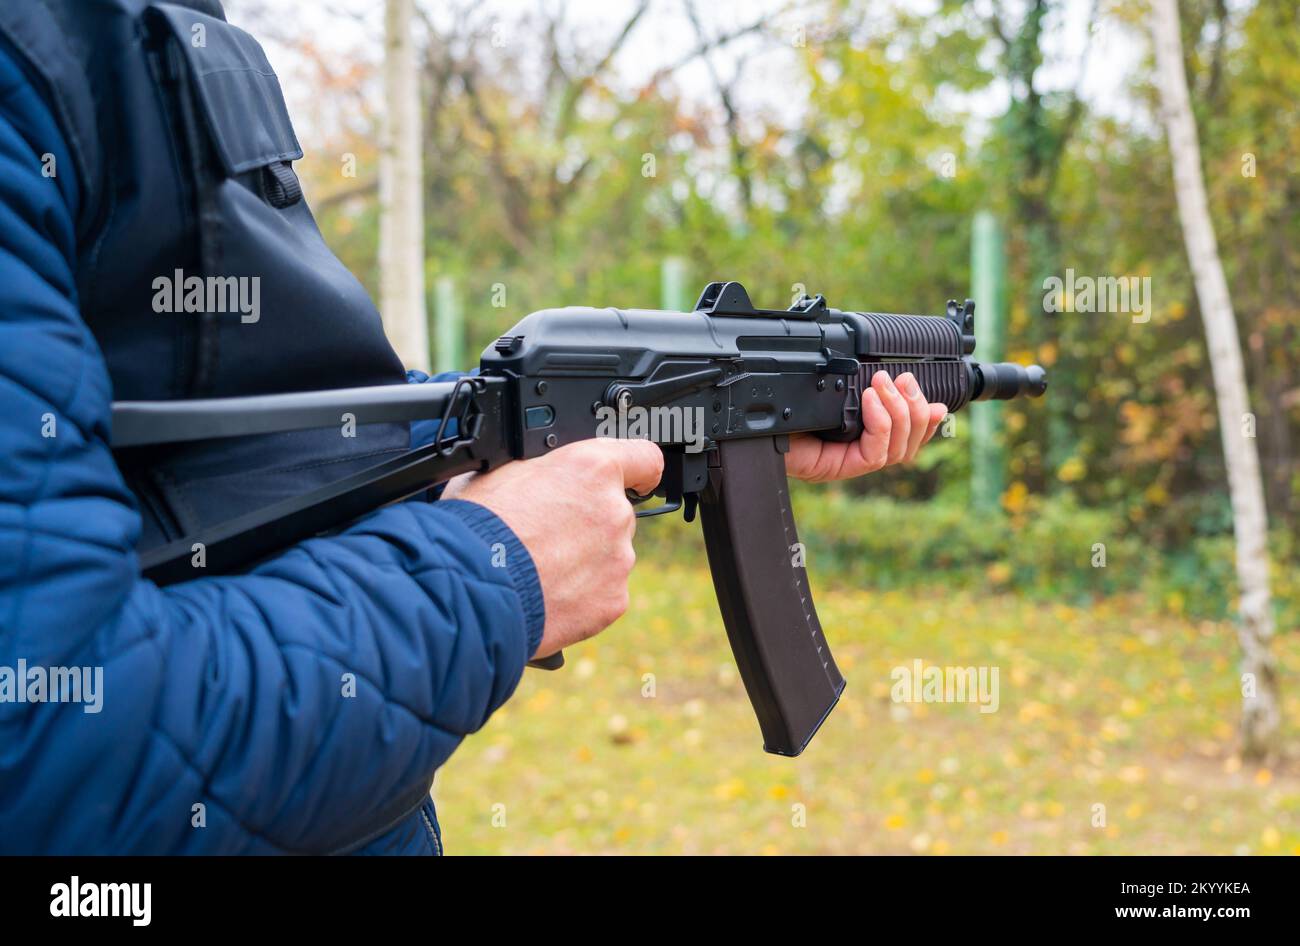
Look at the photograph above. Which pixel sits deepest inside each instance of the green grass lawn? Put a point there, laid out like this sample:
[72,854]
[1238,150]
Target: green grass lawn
[1110,705]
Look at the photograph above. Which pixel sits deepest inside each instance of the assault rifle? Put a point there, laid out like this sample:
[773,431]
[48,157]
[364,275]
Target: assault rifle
[747,377]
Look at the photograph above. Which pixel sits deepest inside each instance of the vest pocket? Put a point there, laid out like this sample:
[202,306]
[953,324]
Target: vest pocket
[230,113]
[237,92]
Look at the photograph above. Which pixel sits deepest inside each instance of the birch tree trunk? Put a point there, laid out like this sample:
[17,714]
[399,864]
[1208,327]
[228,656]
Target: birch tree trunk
[1260,713]
[401,205]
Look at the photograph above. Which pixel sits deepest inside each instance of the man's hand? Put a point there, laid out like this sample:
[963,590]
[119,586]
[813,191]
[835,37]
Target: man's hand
[570,511]
[896,421]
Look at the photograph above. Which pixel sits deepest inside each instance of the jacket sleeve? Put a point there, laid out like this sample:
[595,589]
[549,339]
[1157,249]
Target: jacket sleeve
[299,708]
[423,431]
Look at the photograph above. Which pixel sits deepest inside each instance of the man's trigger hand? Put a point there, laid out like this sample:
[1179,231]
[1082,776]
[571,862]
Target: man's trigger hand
[569,508]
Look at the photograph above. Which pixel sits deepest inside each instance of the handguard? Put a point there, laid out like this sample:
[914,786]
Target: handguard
[762,589]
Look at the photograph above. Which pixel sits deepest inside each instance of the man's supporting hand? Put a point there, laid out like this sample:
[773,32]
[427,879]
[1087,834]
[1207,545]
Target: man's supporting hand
[897,420]
[570,511]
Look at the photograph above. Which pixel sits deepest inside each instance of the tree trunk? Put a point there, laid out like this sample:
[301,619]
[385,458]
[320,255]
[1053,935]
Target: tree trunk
[401,190]
[1260,713]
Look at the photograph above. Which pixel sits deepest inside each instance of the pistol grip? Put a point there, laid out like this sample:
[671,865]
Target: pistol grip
[763,594]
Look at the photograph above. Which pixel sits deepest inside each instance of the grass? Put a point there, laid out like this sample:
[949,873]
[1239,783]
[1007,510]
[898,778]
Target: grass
[1113,704]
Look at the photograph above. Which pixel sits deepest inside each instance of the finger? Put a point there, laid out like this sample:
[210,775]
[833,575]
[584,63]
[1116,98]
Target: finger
[918,412]
[876,425]
[937,413]
[642,462]
[898,414]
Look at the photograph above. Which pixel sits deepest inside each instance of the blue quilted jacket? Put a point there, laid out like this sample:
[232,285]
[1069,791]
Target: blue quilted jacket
[302,708]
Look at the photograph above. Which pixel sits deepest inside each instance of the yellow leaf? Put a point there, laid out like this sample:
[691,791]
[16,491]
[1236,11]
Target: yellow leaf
[541,700]
[1132,774]
[1015,498]
[1033,710]
[729,790]
[999,573]
[1072,470]
[1156,495]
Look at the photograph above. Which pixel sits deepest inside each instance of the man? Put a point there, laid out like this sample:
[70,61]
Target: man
[303,707]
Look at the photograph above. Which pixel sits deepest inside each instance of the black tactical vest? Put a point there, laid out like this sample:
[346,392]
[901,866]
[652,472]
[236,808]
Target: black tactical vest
[201,271]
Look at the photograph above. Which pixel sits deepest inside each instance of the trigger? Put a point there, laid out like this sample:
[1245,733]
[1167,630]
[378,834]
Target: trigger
[690,503]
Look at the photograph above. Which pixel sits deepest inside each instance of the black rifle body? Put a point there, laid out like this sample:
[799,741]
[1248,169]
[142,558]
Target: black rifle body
[721,389]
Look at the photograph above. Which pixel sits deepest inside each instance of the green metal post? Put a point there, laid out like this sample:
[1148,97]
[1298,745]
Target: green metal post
[672,285]
[449,329]
[988,281]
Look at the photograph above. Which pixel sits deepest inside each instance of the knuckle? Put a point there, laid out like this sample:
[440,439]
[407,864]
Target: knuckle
[602,466]
[582,451]
[615,606]
[656,460]
[625,518]
[592,625]
[578,451]
[620,509]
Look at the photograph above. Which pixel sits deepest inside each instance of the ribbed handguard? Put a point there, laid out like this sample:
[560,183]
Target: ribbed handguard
[942,382]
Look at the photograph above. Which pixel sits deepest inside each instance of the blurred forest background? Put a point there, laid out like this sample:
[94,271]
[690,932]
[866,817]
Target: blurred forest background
[627,153]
